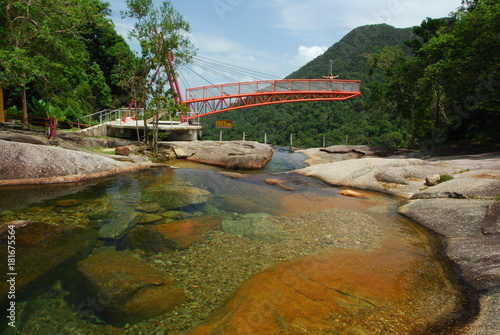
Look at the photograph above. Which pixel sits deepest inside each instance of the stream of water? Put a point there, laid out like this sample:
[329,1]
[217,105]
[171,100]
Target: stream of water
[210,232]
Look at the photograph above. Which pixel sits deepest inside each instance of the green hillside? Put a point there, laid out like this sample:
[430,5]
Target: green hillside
[313,122]
[427,86]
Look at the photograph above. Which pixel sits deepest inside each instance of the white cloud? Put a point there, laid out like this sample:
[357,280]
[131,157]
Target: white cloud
[304,55]
[309,53]
[316,20]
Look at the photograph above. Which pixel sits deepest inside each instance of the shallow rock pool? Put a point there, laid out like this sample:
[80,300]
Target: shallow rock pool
[177,251]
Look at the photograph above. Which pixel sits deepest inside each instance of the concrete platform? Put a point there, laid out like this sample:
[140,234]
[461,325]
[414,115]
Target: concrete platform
[169,130]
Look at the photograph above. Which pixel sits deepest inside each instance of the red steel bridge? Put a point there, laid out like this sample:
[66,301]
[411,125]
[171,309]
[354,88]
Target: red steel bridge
[213,99]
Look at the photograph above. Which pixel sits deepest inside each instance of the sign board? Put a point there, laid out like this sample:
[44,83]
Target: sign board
[223,123]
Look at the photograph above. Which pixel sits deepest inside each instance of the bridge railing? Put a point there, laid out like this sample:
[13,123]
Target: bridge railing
[269,86]
[106,115]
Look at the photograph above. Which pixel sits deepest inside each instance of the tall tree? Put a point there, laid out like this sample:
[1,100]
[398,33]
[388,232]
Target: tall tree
[465,62]
[451,86]
[163,36]
[41,38]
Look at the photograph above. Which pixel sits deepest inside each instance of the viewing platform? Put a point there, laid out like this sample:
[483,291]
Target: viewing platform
[113,124]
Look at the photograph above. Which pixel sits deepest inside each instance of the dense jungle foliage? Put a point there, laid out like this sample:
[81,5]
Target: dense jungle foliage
[424,86]
[65,52]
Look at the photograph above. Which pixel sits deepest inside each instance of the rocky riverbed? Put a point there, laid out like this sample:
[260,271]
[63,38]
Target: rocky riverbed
[461,205]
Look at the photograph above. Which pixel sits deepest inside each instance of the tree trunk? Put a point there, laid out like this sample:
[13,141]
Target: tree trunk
[145,127]
[24,99]
[155,133]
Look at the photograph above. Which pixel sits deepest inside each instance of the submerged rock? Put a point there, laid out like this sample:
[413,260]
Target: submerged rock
[336,292]
[173,197]
[150,218]
[280,183]
[170,236]
[148,207]
[119,225]
[41,248]
[181,234]
[67,203]
[126,289]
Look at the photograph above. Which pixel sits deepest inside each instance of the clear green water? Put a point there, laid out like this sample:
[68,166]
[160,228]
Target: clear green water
[312,218]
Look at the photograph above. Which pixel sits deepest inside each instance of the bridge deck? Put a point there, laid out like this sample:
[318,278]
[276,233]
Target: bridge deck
[224,97]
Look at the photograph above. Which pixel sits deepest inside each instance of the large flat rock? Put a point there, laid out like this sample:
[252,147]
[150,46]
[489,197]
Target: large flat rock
[335,292]
[26,163]
[478,259]
[401,177]
[449,217]
[235,155]
[470,231]
[470,184]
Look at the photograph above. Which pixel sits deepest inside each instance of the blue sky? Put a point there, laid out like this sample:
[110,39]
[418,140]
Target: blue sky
[277,37]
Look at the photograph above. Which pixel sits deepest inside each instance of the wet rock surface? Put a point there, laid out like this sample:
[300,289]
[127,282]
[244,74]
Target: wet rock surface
[119,225]
[326,293]
[488,322]
[127,289]
[175,235]
[177,196]
[40,249]
[479,260]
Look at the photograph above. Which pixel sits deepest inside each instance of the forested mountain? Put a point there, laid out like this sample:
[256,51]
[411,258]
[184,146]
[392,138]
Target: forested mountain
[426,86]
[335,122]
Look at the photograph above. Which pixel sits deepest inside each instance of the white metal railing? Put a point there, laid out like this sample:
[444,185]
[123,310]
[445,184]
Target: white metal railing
[105,116]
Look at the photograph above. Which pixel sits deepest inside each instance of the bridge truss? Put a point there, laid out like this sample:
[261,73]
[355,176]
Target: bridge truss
[213,99]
